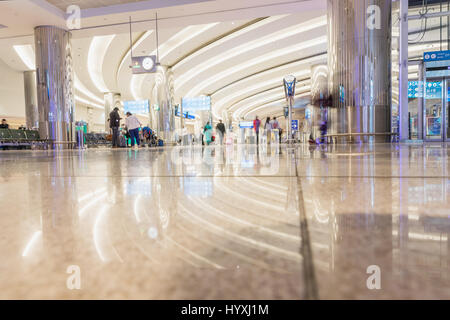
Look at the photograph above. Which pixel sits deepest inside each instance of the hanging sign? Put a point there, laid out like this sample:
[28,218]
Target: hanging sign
[143,64]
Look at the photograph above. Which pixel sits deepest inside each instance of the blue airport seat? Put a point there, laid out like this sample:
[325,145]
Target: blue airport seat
[32,135]
[5,135]
[18,135]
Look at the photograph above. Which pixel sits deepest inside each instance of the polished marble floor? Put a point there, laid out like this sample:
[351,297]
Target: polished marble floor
[232,222]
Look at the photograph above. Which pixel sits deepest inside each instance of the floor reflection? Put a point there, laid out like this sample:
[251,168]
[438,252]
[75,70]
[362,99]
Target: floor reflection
[163,223]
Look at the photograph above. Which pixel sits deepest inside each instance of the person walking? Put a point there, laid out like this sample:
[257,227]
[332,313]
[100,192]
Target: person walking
[276,125]
[220,128]
[268,129]
[256,124]
[114,124]
[133,125]
[207,130]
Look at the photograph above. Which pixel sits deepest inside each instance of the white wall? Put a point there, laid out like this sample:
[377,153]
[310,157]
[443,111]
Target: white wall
[96,119]
[12,97]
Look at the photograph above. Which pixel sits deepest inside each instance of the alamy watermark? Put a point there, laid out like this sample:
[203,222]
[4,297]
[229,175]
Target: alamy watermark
[373,17]
[74,280]
[73,19]
[374,280]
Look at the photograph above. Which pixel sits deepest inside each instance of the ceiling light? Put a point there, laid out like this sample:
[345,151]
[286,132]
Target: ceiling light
[81,88]
[227,99]
[90,103]
[26,54]
[256,61]
[96,55]
[246,47]
[227,38]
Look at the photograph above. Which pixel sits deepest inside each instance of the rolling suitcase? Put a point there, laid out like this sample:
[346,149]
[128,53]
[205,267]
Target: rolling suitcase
[160,143]
[122,141]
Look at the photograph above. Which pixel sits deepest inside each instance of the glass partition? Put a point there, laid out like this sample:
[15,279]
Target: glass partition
[433,110]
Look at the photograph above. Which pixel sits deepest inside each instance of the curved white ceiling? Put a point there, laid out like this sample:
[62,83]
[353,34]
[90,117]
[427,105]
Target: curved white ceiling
[96,55]
[240,63]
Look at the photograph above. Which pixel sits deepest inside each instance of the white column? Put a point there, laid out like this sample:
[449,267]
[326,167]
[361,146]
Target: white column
[403,72]
[54,80]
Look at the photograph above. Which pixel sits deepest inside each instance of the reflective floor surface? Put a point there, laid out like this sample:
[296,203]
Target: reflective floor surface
[232,222]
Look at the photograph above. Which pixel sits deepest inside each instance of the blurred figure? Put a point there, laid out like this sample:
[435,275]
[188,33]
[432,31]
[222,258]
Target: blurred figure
[133,125]
[4,124]
[202,135]
[114,124]
[220,128]
[207,131]
[146,132]
[276,125]
[256,124]
[323,131]
[185,136]
[268,129]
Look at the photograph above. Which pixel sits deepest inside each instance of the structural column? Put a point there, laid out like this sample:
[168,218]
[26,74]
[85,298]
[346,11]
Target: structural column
[31,105]
[112,100]
[55,85]
[403,73]
[359,61]
[163,98]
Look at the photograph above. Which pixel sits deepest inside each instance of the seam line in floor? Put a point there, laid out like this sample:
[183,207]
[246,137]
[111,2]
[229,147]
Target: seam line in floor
[309,278]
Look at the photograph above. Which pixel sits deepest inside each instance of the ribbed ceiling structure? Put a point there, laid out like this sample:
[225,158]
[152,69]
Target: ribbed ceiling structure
[239,62]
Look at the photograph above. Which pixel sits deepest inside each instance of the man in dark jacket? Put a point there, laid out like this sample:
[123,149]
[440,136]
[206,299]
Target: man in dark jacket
[114,124]
[4,124]
[220,128]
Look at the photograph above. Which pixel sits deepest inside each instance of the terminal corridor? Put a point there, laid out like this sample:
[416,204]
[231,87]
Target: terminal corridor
[231,222]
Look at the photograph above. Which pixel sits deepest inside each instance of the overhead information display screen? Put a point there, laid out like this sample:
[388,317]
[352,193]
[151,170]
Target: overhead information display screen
[246,124]
[195,104]
[136,106]
[186,115]
[143,64]
[437,63]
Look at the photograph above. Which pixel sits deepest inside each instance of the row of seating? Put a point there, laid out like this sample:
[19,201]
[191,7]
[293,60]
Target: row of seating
[96,139]
[25,139]
[19,138]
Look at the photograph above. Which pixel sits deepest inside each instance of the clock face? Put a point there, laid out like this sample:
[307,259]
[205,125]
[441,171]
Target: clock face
[147,63]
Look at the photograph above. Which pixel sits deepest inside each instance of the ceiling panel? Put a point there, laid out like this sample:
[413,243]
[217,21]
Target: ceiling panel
[87,4]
